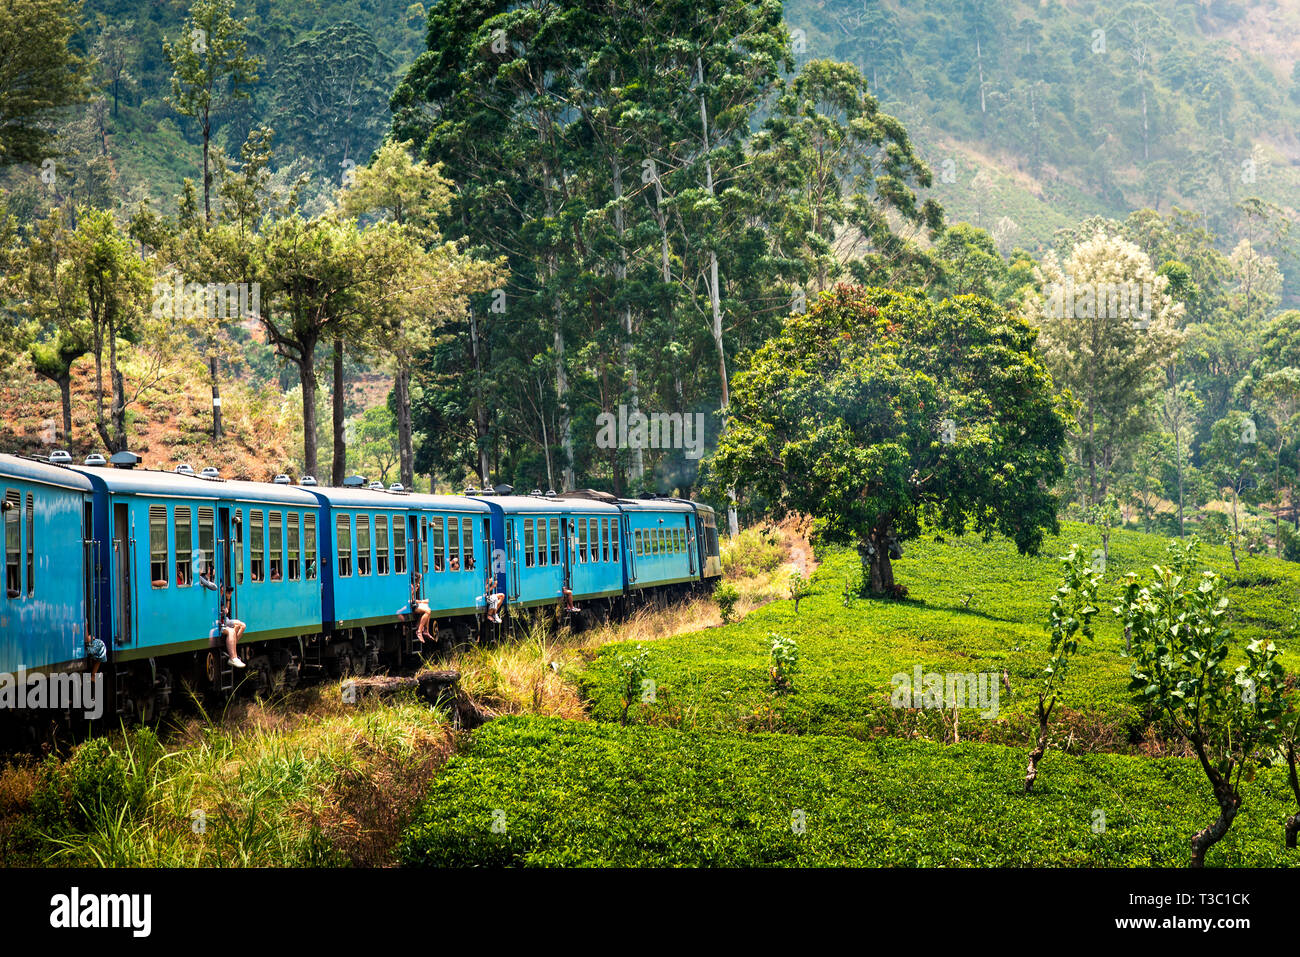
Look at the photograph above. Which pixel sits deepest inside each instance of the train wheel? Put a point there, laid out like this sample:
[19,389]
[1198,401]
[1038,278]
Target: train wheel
[262,676]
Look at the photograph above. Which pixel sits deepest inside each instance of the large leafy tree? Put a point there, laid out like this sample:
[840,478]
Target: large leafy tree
[332,90]
[877,410]
[40,75]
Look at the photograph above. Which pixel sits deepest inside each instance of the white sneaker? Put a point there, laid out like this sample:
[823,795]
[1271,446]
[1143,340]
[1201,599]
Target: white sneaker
[236,663]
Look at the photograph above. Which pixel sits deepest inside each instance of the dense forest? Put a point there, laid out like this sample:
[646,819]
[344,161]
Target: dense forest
[598,211]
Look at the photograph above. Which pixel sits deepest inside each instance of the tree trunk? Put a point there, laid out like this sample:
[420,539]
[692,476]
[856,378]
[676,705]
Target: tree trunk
[1206,838]
[1040,747]
[1293,822]
[207,175]
[405,451]
[115,437]
[877,568]
[340,465]
[216,393]
[307,376]
[65,396]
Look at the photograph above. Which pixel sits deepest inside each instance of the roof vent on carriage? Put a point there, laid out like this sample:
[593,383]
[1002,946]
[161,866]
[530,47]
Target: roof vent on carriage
[377,486]
[503,489]
[307,480]
[124,460]
[550,493]
[210,472]
[397,487]
[282,480]
[184,469]
[354,481]
[470,490]
[60,457]
[94,458]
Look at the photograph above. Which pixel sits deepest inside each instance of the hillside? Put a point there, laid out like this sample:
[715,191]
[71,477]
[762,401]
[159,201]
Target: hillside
[1044,113]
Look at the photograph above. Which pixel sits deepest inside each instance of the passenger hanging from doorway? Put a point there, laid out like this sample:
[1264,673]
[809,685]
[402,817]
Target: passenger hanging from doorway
[495,599]
[420,606]
[232,628]
[568,599]
[96,652]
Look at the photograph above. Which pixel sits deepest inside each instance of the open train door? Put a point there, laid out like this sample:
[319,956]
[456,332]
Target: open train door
[413,561]
[124,579]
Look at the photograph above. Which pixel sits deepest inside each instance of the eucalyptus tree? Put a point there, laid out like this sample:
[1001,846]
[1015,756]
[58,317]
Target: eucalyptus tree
[211,70]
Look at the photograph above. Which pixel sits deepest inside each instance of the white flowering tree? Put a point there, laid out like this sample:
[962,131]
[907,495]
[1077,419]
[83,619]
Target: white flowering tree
[1109,325]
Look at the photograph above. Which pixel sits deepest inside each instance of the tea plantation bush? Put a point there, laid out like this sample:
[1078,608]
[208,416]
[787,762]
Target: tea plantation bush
[543,791]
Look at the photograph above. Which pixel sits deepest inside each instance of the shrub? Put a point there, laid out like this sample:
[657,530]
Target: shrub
[755,551]
[98,783]
[726,596]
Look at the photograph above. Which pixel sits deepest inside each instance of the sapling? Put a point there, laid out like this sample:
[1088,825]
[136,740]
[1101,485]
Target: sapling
[785,662]
[1073,607]
[634,671]
[1229,718]
[800,588]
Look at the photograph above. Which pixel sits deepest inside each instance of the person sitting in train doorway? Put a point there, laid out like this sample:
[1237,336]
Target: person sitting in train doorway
[420,606]
[96,652]
[569,606]
[232,628]
[495,600]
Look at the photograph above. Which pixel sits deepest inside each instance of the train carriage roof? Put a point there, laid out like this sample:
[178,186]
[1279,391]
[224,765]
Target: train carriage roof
[550,505]
[176,485]
[13,466]
[654,505]
[352,497]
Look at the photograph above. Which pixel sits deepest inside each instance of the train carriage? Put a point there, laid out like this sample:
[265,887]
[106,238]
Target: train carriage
[48,604]
[661,535]
[380,540]
[174,541]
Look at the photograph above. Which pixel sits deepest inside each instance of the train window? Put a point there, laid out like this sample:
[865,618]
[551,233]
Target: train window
[363,544]
[158,558]
[184,546]
[467,537]
[636,541]
[613,550]
[582,539]
[604,539]
[13,543]
[555,541]
[399,544]
[439,543]
[453,543]
[295,546]
[424,543]
[343,532]
[530,543]
[207,561]
[542,551]
[381,544]
[593,533]
[257,546]
[31,550]
[238,547]
[309,547]
[275,561]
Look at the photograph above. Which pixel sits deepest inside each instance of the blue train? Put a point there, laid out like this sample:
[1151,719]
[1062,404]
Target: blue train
[322,577]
